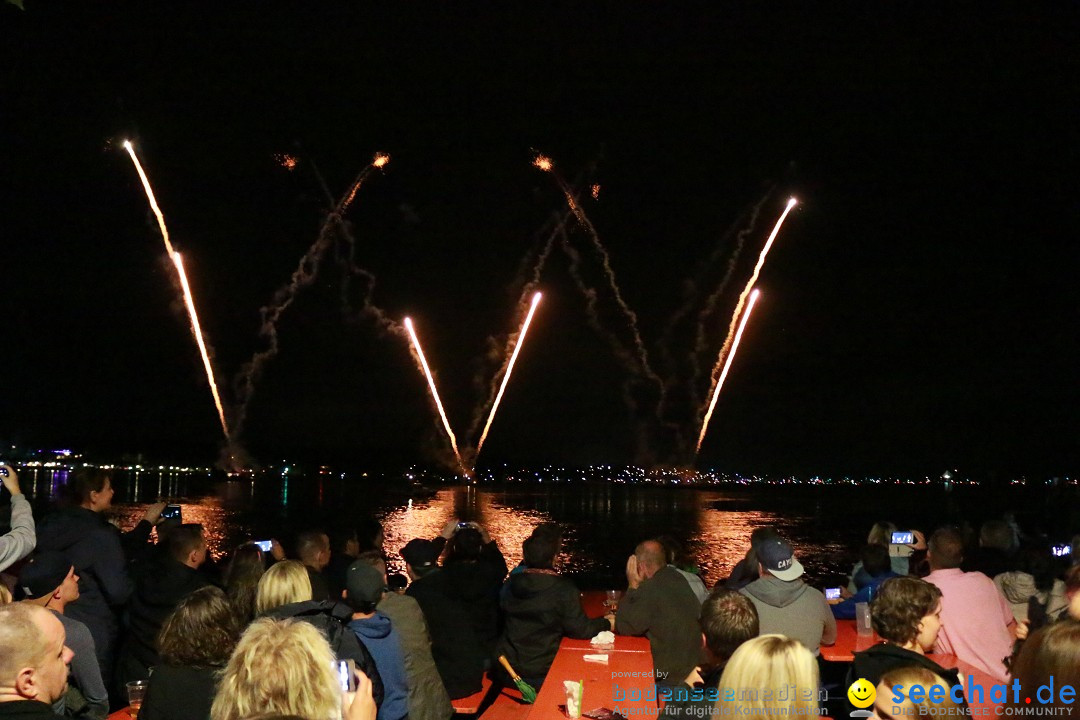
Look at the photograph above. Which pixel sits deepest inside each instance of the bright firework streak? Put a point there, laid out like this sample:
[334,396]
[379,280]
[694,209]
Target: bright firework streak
[150,196]
[543,162]
[509,369]
[434,392]
[746,290]
[727,366]
[380,159]
[197,330]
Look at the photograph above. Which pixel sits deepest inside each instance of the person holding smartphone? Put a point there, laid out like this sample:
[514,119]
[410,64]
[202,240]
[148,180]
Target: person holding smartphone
[20,541]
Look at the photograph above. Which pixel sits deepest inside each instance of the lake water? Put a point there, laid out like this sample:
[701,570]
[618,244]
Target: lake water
[603,521]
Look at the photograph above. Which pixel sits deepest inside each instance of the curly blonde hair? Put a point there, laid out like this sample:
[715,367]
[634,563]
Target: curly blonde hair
[284,583]
[279,667]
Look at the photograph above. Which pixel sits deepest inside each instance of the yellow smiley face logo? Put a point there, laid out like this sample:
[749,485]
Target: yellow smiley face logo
[861,694]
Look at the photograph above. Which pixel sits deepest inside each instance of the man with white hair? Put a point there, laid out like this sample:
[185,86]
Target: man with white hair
[33,662]
[660,605]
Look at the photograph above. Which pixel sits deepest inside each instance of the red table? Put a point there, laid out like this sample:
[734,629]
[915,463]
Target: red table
[629,667]
[848,642]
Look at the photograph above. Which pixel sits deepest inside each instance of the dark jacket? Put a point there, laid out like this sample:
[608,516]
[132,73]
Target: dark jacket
[427,694]
[27,710]
[331,619]
[540,609]
[95,548]
[694,703]
[665,610]
[179,693]
[458,653]
[875,661]
[320,588]
[159,587]
[378,635]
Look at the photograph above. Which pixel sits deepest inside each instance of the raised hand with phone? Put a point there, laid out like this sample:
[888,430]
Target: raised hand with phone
[20,541]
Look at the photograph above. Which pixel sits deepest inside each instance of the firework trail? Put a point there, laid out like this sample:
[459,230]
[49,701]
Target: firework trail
[189,301]
[727,366]
[434,392]
[701,340]
[746,291]
[302,276]
[506,375]
[196,329]
[544,163]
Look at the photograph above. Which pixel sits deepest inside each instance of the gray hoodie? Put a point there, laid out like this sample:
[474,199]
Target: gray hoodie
[18,543]
[792,608]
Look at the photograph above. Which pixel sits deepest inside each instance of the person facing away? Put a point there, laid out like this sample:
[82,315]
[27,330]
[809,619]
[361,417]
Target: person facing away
[49,581]
[458,654]
[285,593]
[364,588]
[97,550]
[977,621]
[540,607]
[728,619]
[878,569]
[660,605]
[21,539]
[313,549]
[194,645]
[160,585]
[33,662]
[906,613]
[747,569]
[428,699]
[785,604]
[676,558]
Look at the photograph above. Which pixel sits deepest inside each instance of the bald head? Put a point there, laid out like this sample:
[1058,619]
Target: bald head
[33,658]
[650,558]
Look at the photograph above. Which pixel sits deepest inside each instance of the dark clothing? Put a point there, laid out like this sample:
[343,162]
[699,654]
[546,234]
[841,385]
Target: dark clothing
[331,619]
[159,587]
[95,549]
[27,710]
[458,653]
[665,610]
[85,675]
[179,693]
[991,562]
[334,573]
[744,573]
[320,589]
[693,703]
[476,585]
[874,662]
[540,609]
[845,610]
[427,694]
[379,636]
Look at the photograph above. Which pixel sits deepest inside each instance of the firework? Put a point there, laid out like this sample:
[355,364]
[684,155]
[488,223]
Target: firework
[749,284]
[727,366]
[189,301]
[509,369]
[434,391]
[543,162]
[380,160]
[196,329]
[150,196]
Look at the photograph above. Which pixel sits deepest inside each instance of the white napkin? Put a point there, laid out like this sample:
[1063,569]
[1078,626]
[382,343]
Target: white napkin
[605,637]
[598,658]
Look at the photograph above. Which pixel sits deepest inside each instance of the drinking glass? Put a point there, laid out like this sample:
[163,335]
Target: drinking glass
[611,602]
[136,690]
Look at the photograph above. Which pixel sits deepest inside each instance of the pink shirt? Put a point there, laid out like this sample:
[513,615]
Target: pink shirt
[975,619]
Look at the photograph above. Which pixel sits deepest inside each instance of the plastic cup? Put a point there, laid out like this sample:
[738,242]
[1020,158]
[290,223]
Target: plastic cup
[573,698]
[136,691]
[612,600]
[862,619]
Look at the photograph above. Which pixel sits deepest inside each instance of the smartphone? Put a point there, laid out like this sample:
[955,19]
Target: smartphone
[462,525]
[903,538]
[3,470]
[1061,550]
[170,512]
[832,593]
[264,545]
[346,672]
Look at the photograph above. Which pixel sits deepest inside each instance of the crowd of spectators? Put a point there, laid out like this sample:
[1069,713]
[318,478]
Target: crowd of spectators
[323,632]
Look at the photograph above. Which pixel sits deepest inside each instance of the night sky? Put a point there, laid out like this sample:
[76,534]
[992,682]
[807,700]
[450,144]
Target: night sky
[920,309]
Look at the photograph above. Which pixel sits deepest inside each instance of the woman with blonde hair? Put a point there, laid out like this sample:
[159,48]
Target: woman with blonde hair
[285,593]
[769,675]
[894,695]
[284,667]
[284,583]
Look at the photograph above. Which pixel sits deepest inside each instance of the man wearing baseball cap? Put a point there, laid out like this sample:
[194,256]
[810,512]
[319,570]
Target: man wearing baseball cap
[785,604]
[49,581]
[364,588]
